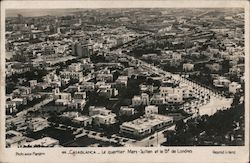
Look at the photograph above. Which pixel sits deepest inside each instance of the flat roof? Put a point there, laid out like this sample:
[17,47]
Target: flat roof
[17,99]
[15,139]
[82,118]
[104,116]
[147,122]
[46,141]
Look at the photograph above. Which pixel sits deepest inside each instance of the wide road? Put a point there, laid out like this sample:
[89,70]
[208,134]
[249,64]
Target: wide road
[35,107]
[216,102]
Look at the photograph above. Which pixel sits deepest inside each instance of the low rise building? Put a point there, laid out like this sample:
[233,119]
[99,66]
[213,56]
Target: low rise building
[146,125]
[127,111]
[151,109]
[221,82]
[24,90]
[188,67]
[83,120]
[143,99]
[146,88]
[72,75]
[70,115]
[104,77]
[157,99]
[136,101]
[102,116]
[214,67]
[37,124]
[80,95]
[43,142]
[19,101]
[122,80]
[75,67]
[87,86]
[61,95]
[77,104]
[10,107]
[15,139]
[33,83]
[234,87]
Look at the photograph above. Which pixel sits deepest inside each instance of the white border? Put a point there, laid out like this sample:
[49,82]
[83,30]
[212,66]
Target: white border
[200,154]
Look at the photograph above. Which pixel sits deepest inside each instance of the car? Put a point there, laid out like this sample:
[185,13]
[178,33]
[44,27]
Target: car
[94,133]
[152,137]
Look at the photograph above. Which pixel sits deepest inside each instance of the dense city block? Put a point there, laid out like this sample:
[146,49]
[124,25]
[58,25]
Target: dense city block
[125,77]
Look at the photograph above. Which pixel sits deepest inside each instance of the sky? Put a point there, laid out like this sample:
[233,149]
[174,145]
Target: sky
[39,12]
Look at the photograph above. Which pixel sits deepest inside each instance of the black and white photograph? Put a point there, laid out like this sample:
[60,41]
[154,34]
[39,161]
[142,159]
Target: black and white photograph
[124,77]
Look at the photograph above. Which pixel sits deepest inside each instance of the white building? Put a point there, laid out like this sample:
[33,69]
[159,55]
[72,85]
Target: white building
[80,95]
[188,67]
[174,98]
[102,116]
[221,82]
[234,87]
[72,75]
[104,77]
[61,95]
[136,101]
[172,95]
[83,120]
[77,104]
[143,99]
[122,80]
[87,86]
[145,125]
[15,139]
[75,67]
[157,99]
[19,101]
[128,111]
[176,56]
[37,124]
[24,90]
[43,142]
[151,109]
[33,83]
[53,80]
[10,107]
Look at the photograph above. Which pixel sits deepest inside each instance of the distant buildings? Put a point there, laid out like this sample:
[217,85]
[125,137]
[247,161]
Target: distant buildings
[81,49]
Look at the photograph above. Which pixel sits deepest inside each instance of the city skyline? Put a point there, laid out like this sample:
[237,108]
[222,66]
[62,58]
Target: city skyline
[65,11]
